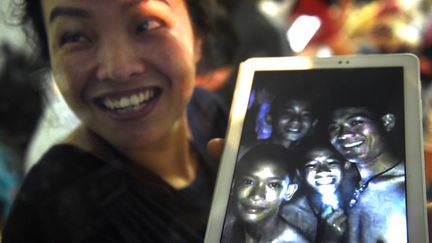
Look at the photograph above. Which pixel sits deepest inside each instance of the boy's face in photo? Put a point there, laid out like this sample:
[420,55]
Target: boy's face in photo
[294,120]
[261,188]
[323,170]
[355,135]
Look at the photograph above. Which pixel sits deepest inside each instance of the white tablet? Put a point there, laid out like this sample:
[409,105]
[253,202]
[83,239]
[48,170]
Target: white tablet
[323,150]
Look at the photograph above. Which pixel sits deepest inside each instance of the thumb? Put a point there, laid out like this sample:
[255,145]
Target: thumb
[215,147]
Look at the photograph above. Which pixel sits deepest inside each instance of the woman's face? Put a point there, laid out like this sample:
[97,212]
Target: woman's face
[323,170]
[126,67]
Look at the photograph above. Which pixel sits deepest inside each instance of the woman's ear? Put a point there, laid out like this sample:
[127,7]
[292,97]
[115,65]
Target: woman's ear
[389,121]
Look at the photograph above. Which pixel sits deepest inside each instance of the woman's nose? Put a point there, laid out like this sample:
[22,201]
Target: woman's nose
[119,61]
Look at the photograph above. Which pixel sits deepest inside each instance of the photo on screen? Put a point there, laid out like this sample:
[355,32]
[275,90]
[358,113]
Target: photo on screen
[321,158]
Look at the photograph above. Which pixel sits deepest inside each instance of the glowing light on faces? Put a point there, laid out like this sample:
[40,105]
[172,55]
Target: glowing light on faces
[323,172]
[355,135]
[294,121]
[396,230]
[260,190]
[330,198]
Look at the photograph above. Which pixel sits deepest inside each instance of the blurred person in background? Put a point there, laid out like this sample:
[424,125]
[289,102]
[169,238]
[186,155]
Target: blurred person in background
[383,27]
[21,103]
[341,27]
[256,36]
[320,26]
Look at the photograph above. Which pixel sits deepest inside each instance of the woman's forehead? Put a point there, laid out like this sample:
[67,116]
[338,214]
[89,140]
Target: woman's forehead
[94,5]
[109,12]
[124,3]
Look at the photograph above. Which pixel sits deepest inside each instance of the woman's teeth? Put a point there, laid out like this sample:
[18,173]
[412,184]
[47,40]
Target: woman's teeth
[131,102]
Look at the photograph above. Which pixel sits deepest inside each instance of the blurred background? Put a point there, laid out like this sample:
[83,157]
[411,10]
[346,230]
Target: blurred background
[33,115]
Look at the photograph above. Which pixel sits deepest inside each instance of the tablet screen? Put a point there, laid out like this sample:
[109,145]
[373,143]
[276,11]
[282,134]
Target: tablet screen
[321,157]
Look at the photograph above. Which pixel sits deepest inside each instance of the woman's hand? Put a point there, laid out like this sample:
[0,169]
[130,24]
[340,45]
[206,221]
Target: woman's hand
[429,213]
[215,147]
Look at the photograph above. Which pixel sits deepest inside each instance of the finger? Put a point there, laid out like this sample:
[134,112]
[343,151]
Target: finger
[215,147]
[429,213]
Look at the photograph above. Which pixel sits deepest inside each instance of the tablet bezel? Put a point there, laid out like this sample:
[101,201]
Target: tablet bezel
[415,178]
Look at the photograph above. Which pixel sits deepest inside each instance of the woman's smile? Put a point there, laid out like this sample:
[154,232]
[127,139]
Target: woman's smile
[137,68]
[130,104]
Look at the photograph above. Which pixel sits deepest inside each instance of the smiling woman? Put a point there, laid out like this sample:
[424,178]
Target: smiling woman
[129,172]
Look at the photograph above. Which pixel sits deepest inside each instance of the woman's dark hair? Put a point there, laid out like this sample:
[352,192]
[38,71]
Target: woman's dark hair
[212,22]
[31,17]
[21,100]
[209,20]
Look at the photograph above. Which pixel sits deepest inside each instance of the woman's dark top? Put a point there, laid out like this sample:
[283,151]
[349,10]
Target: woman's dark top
[73,196]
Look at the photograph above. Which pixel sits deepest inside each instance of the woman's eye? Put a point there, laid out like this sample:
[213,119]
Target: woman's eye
[147,25]
[72,37]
